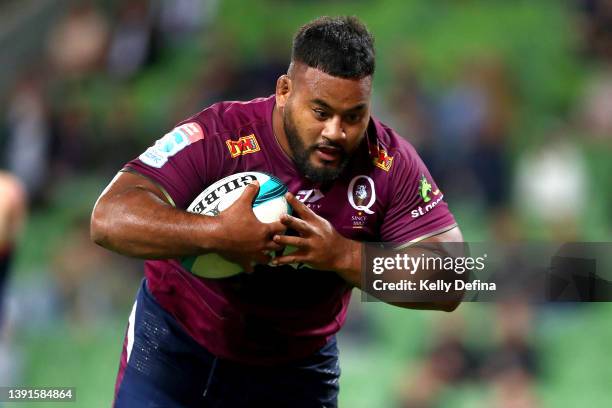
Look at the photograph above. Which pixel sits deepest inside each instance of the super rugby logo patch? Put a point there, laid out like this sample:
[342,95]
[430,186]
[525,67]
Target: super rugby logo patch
[244,145]
[171,143]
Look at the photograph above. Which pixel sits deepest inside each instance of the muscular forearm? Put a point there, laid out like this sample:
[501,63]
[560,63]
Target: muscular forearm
[137,223]
[350,269]
[132,217]
[322,247]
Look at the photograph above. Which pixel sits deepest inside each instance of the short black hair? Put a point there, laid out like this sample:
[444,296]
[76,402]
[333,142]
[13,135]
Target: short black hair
[338,46]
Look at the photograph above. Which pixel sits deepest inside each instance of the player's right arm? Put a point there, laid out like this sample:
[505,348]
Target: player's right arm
[133,217]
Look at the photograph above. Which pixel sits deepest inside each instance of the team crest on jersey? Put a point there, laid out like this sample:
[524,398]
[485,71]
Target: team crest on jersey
[361,196]
[171,143]
[244,145]
[383,160]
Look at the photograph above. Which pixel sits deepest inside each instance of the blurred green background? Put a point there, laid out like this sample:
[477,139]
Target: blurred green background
[508,102]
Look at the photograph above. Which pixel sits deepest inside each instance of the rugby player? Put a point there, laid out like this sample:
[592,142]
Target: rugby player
[266,337]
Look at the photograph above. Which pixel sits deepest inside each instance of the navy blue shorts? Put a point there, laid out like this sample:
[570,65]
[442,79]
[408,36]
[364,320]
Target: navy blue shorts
[162,366]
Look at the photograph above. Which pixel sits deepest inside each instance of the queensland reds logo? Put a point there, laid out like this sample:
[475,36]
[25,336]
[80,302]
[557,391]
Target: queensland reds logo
[362,194]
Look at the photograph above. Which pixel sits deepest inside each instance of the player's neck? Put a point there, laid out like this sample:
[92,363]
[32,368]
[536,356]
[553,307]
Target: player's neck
[279,132]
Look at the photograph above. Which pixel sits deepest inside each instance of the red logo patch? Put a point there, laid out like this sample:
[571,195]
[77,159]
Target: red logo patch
[244,145]
[383,161]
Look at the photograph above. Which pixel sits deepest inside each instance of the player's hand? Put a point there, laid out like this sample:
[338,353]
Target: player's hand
[318,244]
[243,239]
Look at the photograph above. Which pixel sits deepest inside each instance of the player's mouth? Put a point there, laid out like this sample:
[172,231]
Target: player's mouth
[328,154]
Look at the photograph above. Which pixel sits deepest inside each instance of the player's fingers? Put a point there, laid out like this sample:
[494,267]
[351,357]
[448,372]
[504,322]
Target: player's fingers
[250,192]
[276,228]
[299,207]
[295,257]
[285,240]
[297,224]
[273,246]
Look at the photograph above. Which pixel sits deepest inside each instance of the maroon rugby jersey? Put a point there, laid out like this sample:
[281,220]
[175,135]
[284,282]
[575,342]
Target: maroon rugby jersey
[277,314]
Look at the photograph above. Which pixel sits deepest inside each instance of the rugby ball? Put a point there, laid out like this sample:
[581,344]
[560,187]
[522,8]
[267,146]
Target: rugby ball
[269,205]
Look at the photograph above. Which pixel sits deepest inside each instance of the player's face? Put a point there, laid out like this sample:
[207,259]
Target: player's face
[324,119]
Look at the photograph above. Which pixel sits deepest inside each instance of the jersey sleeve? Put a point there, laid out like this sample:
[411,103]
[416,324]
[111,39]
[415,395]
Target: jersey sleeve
[179,162]
[416,207]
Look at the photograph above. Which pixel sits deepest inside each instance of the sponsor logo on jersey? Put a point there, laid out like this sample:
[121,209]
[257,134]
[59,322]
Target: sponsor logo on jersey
[171,143]
[192,130]
[425,189]
[383,160]
[244,145]
[310,197]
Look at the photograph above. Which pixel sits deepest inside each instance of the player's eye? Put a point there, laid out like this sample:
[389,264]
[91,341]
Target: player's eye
[320,113]
[352,118]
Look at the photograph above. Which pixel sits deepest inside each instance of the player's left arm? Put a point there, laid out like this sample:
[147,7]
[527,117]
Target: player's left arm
[322,247]
[453,299]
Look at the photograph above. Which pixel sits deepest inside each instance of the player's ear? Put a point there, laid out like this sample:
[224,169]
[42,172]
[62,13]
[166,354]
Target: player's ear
[283,89]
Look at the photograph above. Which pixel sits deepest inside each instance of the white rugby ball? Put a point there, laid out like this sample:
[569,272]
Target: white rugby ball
[269,205]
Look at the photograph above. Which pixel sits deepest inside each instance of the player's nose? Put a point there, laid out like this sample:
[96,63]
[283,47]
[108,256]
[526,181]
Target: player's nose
[333,130]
